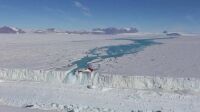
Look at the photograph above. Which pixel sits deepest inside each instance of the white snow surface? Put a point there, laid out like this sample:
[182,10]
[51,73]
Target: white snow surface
[65,98]
[49,51]
[35,75]
[178,57]
[4,108]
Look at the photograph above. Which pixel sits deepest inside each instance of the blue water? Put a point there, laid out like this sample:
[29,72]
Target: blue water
[115,51]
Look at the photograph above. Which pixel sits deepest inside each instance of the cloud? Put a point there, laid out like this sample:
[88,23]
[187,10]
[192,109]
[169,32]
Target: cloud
[85,10]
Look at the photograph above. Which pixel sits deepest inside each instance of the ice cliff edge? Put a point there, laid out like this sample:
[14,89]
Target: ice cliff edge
[102,80]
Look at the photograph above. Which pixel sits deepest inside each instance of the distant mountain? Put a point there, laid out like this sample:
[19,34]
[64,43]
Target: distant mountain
[39,31]
[112,30]
[48,30]
[51,30]
[173,34]
[10,30]
[78,32]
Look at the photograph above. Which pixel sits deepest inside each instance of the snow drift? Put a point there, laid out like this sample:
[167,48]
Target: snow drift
[102,80]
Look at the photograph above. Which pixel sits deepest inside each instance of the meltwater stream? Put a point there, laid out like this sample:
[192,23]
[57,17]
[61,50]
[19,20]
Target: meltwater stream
[115,51]
[106,52]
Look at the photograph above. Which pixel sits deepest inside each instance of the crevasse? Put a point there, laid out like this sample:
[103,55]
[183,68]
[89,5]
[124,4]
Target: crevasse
[101,80]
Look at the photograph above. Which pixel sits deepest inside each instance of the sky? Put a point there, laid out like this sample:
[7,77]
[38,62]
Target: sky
[146,15]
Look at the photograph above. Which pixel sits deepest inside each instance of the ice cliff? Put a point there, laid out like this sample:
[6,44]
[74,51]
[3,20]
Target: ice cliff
[102,80]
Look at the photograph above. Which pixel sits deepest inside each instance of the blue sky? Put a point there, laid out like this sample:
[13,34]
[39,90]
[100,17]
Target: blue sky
[146,15]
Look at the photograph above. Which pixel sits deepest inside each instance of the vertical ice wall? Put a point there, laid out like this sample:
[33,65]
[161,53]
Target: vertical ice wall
[68,77]
[102,80]
[149,82]
[32,75]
